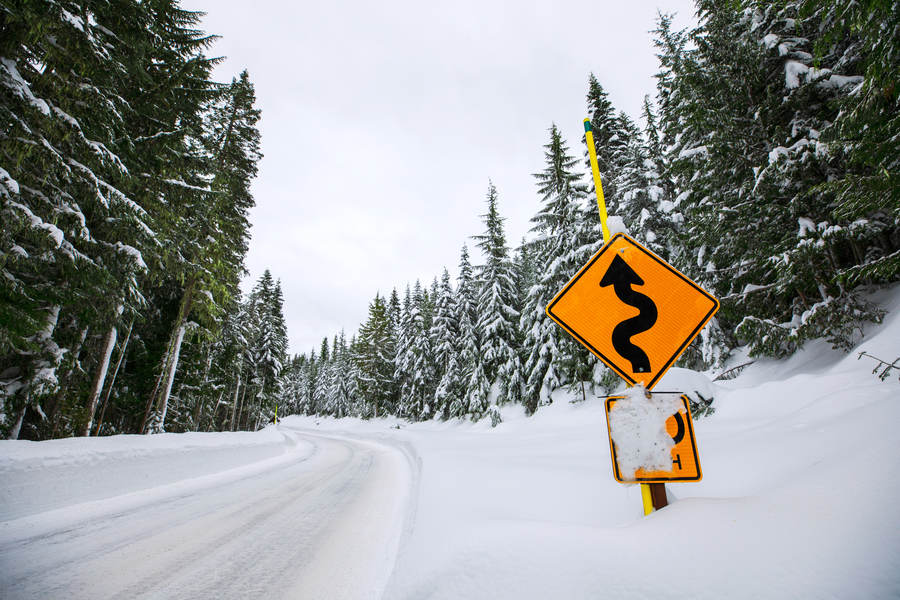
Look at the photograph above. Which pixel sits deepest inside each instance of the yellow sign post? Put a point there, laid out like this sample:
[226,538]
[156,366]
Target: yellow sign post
[598,185]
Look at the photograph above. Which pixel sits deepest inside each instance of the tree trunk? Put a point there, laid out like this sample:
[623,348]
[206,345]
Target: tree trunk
[198,412]
[237,389]
[259,400]
[100,378]
[112,382]
[237,424]
[152,398]
[162,403]
[198,407]
[53,410]
[17,427]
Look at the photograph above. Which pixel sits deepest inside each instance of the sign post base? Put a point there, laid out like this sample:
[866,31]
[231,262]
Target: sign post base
[653,496]
[658,495]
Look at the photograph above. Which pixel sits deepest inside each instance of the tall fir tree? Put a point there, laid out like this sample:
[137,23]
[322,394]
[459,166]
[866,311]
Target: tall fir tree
[445,342]
[498,319]
[564,236]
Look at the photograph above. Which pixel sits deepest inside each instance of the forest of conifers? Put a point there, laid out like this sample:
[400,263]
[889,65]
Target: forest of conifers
[764,166]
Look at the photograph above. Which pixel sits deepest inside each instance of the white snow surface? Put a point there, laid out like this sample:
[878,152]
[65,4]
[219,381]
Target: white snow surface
[800,464]
[637,426]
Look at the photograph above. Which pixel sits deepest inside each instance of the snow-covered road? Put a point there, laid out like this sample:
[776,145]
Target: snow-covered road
[322,520]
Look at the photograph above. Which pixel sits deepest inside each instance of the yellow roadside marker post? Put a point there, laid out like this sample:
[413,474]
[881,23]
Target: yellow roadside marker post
[646,494]
[646,498]
[598,185]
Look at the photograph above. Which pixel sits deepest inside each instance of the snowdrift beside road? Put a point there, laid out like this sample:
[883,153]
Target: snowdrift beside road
[42,478]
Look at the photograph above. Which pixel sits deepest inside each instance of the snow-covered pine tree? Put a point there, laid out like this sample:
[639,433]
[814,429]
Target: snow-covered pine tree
[70,229]
[498,319]
[376,356]
[417,360]
[310,393]
[445,340]
[663,220]
[475,385]
[338,402]
[215,201]
[355,403]
[749,161]
[404,358]
[605,132]
[563,238]
[322,379]
[865,130]
[292,383]
[267,348]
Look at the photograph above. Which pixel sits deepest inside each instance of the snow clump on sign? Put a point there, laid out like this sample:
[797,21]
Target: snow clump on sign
[616,225]
[637,425]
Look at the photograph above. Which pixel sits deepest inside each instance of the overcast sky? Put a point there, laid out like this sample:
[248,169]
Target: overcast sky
[382,123]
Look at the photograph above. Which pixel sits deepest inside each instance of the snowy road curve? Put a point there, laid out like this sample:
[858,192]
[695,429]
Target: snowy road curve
[323,521]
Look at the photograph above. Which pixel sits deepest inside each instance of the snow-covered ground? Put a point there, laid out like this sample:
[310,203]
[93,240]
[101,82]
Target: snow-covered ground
[800,461]
[276,514]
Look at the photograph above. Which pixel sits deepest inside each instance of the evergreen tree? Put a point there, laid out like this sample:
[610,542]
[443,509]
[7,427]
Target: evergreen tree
[415,360]
[404,358]
[473,400]
[751,154]
[445,343]
[865,130]
[375,359]
[560,226]
[70,231]
[605,133]
[498,318]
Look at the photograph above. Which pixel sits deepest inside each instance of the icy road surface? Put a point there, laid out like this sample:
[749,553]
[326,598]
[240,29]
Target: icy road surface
[321,520]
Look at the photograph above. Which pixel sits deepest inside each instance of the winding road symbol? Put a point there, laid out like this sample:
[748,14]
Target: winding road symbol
[632,310]
[622,277]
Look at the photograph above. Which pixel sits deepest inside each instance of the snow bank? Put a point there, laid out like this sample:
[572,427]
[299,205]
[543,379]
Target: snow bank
[42,476]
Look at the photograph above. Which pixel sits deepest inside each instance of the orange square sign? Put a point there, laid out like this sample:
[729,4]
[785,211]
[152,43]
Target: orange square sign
[685,460]
[633,310]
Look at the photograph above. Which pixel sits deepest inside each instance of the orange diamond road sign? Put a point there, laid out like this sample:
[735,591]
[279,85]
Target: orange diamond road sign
[633,310]
[685,460]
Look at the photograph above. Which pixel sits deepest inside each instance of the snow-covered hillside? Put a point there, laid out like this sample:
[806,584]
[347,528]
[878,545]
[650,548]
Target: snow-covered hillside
[797,501]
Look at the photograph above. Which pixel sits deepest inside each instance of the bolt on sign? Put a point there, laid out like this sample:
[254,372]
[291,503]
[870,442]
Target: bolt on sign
[632,310]
[683,454]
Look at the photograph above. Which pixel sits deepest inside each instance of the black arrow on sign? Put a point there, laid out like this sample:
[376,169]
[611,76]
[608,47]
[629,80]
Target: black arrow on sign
[622,277]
